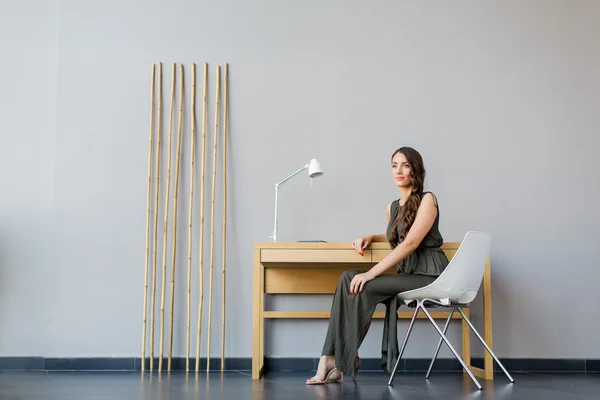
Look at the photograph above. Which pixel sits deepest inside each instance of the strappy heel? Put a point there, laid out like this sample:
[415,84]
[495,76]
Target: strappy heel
[328,378]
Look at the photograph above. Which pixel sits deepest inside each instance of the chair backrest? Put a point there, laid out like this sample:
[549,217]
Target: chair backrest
[461,279]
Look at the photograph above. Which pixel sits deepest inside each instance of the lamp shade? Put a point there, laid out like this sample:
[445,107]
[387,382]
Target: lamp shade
[314,169]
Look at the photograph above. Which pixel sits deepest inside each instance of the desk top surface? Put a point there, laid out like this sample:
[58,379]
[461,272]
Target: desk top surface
[333,245]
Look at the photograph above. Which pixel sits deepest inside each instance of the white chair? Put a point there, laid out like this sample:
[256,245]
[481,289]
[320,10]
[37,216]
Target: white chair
[455,288]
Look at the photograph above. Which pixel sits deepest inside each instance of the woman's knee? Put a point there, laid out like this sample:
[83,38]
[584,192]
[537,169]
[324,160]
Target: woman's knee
[348,275]
[346,278]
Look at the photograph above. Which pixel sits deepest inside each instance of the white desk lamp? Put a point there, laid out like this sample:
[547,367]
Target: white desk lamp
[314,171]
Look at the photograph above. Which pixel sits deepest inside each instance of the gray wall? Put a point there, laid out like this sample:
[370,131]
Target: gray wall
[501,99]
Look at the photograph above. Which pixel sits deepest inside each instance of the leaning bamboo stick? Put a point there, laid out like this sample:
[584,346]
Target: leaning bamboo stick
[224,277]
[193,158]
[166,225]
[175,202]
[157,190]
[148,207]
[212,214]
[201,261]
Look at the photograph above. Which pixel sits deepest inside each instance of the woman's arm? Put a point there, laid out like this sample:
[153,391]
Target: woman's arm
[424,220]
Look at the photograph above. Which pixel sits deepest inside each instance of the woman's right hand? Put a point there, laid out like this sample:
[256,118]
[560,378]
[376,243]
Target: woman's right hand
[361,243]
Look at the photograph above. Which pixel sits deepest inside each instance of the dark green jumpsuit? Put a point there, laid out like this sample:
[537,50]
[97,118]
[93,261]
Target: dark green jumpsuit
[351,314]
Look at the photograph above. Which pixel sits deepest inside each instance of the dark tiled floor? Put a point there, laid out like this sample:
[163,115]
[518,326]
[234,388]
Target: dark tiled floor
[287,385]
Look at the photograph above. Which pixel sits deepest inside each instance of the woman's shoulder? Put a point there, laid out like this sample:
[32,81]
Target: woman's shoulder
[392,207]
[429,196]
[393,204]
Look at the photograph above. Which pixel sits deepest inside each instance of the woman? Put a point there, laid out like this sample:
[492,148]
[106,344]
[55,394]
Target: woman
[417,256]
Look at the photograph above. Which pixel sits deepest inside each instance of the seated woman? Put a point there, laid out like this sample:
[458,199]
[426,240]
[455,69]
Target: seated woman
[417,256]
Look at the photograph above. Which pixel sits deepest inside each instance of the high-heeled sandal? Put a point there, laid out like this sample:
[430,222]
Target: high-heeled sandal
[328,378]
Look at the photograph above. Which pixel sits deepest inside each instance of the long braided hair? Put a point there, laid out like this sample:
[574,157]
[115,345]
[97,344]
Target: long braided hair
[408,212]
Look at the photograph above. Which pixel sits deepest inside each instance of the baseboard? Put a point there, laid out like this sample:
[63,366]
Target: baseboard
[447,364]
[286,364]
[117,364]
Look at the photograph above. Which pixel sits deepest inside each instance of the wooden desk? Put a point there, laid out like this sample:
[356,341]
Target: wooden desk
[314,268]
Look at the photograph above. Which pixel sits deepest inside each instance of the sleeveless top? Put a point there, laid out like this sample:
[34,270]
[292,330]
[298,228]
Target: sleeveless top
[428,258]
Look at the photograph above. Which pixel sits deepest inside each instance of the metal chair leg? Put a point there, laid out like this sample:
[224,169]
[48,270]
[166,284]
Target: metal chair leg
[510,378]
[437,328]
[437,350]
[412,321]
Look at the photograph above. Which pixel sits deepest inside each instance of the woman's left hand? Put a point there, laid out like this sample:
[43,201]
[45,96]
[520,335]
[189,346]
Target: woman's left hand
[358,282]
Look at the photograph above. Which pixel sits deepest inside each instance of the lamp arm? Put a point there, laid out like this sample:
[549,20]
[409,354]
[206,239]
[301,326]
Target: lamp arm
[277,186]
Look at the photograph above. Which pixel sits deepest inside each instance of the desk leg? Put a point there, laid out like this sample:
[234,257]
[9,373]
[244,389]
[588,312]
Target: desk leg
[261,359]
[488,361]
[487,372]
[258,322]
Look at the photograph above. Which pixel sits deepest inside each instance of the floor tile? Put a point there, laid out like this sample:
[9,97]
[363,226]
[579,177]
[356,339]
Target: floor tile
[238,385]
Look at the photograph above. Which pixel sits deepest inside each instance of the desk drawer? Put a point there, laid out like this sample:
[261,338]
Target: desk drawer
[300,280]
[313,256]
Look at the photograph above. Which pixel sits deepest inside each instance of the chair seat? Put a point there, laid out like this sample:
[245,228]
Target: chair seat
[432,303]
[427,304]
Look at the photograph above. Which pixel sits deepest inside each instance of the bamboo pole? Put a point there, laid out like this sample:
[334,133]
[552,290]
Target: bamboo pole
[224,277]
[166,225]
[175,202]
[212,214]
[201,255]
[148,207]
[193,158]
[157,190]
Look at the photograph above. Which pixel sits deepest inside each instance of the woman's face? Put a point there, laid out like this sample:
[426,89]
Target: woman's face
[400,170]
